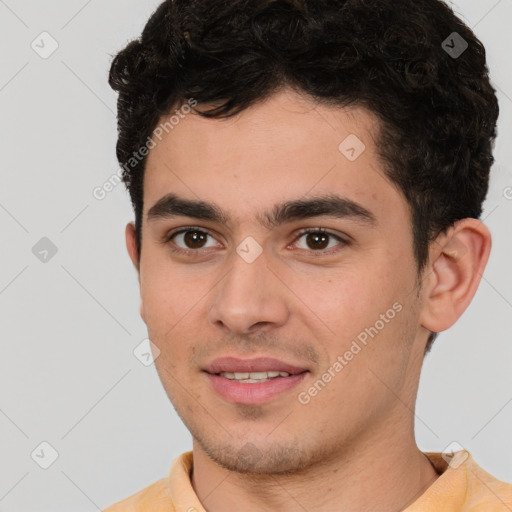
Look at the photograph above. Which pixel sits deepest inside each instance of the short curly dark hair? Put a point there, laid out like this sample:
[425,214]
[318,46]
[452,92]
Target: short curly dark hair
[437,109]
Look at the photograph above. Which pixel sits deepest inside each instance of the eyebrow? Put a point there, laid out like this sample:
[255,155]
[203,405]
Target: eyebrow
[331,205]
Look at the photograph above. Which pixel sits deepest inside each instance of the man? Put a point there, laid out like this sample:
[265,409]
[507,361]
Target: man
[307,178]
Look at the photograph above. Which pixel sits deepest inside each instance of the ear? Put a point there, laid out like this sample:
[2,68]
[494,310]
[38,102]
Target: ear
[131,246]
[458,260]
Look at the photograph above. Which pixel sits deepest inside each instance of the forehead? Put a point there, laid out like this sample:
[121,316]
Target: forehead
[285,148]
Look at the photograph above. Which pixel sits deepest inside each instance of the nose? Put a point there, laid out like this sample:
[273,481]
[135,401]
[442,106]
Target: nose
[249,298]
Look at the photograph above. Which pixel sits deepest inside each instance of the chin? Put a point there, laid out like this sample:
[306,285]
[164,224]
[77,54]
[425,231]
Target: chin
[258,460]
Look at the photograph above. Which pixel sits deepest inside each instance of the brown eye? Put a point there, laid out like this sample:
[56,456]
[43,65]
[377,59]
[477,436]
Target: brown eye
[191,239]
[194,239]
[318,240]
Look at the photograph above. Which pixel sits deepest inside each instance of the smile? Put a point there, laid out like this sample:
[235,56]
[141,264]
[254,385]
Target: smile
[244,388]
[253,377]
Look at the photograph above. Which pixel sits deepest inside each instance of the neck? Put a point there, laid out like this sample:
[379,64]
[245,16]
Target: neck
[385,474]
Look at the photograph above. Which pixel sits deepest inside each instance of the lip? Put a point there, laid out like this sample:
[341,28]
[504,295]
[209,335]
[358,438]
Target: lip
[258,364]
[252,393]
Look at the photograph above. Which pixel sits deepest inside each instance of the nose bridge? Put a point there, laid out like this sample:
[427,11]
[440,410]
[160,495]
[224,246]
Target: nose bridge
[249,293]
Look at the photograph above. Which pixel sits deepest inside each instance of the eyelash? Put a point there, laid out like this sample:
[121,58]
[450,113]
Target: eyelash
[197,252]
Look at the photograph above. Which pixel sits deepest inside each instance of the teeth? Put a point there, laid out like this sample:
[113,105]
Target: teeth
[251,377]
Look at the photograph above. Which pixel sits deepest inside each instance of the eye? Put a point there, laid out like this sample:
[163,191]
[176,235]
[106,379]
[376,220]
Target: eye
[318,240]
[189,239]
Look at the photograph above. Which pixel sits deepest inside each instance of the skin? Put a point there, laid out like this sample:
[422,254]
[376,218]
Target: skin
[352,447]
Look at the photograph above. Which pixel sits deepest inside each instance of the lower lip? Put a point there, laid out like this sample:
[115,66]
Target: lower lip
[253,393]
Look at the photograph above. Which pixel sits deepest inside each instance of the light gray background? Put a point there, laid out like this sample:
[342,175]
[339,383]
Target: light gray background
[68,375]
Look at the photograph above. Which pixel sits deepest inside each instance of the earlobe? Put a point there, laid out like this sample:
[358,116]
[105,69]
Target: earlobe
[459,259]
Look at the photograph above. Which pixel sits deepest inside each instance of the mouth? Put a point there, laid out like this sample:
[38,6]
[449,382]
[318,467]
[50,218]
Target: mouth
[252,381]
[253,377]
[235,365]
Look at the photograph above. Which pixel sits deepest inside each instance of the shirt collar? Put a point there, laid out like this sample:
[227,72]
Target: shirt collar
[448,492]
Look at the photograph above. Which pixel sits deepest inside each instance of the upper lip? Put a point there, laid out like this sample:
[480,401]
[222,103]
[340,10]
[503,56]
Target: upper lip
[258,364]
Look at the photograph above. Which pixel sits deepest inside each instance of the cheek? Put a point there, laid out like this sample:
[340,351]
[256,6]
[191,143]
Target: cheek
[166,294]
[164,309]
[174,307]
[350,300]
[159,304]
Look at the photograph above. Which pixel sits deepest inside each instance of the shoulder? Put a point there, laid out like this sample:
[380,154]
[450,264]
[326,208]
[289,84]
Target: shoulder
[154,498]
[164,493]
[487,493]
[463,486]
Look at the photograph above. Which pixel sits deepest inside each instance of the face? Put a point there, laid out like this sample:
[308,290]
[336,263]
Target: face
[299,251]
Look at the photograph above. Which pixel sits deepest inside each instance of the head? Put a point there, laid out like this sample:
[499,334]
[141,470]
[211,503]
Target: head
[287,115]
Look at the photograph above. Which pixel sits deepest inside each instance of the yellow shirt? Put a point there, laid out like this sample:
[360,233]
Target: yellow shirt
[462,487]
